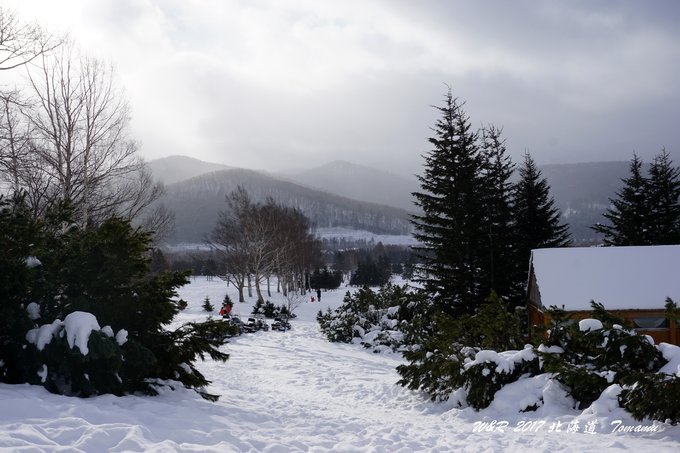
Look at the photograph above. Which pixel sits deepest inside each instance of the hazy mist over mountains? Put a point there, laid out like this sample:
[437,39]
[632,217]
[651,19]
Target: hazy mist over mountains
[343,194]
[358,182]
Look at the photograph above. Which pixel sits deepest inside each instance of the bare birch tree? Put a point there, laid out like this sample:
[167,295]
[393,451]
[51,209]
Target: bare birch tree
[261,240]
[21,42]
[80,123]
[229,237]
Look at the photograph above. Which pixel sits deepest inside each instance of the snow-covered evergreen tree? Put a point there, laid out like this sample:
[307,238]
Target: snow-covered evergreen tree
[62,275]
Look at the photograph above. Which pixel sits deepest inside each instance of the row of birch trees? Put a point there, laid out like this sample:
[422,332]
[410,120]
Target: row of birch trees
[263,241]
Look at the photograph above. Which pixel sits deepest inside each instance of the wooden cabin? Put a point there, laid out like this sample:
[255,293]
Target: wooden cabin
[631,282]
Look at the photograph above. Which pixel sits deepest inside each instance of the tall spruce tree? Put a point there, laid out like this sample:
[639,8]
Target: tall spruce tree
[500,254]
[453,210]
[630,215]
[537,218]
[662,198]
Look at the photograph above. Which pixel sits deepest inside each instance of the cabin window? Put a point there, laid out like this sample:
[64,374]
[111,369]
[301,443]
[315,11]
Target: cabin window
[650,322]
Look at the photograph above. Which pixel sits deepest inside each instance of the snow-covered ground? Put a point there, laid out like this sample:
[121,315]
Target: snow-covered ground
[339,233]
[295,391]
[362,235]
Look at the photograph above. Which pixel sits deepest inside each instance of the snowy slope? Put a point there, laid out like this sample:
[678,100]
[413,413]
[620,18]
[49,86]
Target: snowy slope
[294,391]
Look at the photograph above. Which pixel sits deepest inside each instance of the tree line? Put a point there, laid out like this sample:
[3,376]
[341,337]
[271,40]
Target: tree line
[477,230]
[477,227]
[646,211]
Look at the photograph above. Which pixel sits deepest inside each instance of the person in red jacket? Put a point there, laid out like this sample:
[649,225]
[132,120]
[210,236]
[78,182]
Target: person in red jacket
[225,310]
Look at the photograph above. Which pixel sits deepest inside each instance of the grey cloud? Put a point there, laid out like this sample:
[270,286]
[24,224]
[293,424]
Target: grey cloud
[270,84]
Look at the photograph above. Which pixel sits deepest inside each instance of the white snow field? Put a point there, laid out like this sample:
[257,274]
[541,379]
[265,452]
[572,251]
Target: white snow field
[294,391]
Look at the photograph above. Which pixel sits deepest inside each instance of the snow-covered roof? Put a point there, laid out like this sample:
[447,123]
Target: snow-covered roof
[617,277]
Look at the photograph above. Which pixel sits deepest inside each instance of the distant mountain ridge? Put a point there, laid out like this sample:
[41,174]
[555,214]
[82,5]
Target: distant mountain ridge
[197,202]
[581,191]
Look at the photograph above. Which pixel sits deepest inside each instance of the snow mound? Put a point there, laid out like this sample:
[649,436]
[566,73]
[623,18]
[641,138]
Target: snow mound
[671,353]
[121,337]
[43,335]
[33,310]
[32,262]
[588,325]
[607,403]
[79,325]
[540,393]
[505,361]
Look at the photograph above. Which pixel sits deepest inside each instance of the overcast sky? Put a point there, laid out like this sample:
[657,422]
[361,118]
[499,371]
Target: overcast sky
[283,84]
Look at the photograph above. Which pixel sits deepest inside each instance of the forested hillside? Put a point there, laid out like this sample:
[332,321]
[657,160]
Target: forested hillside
[581,191]
[196,203]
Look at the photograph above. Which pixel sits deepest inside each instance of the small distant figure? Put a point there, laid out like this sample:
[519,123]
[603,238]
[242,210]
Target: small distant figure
[318,294]
[226,310]
[312,299]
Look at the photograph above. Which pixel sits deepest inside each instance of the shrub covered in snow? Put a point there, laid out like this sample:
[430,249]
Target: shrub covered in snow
[77,357]
[490,371]
[52,306]
[597,354]
[584,360]
[374,319]
[443,344]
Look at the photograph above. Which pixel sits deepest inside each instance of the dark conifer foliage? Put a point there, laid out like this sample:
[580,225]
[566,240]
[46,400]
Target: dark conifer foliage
[629,216]
[52,269]
[537,218]
[646,210]
[663,199]
[372,272]
[324,278]
[453,211]
[501,272]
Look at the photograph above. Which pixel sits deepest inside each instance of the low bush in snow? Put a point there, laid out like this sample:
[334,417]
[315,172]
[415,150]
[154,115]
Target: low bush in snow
[596,354]
[374,319]
[60,282]
[269,310]
[584,359]
[441,346]
[489,371]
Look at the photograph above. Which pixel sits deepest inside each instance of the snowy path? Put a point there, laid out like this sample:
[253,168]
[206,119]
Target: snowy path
[281,392]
